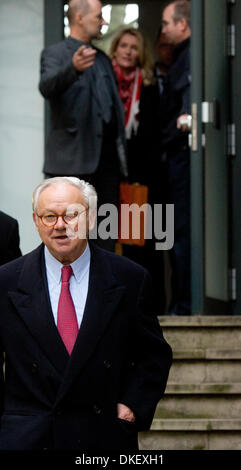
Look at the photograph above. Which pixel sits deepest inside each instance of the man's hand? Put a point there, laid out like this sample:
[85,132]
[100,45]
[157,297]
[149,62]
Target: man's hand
[123,412]
[184,122]
[84,58]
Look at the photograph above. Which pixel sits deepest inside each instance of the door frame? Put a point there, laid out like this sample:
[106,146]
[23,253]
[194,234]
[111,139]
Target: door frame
[197,193]
[200,303]
[235,68]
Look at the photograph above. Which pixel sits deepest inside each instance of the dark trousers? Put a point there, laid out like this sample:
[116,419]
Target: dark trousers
[178,193]
[153,261]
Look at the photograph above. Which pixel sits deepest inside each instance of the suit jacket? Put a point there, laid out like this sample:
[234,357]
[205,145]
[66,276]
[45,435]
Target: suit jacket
[9,238]
[51,400]
[76,137]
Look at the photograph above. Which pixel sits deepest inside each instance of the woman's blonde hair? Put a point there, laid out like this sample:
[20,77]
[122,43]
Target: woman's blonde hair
[145,62]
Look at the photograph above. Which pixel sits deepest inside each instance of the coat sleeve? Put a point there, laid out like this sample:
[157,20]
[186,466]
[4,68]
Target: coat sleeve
[1,378]
[56,75]
[150,363]
[186,106]
[13,242]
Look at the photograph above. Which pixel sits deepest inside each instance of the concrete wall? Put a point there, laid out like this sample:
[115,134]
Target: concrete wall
[21,111]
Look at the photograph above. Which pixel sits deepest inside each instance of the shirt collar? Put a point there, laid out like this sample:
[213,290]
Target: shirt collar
[79,266]
[76,43]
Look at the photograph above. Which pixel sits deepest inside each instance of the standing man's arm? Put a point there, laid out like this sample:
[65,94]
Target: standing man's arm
[1,379]
[150,363]
[185,87]
[56,76]
[185,110]
[13,242]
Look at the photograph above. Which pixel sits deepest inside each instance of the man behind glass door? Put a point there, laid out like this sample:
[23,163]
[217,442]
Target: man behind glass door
[175,149]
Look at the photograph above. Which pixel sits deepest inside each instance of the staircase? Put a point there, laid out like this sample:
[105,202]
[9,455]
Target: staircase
[201,408]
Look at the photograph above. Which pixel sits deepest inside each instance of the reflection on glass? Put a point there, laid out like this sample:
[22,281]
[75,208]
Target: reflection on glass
[106,13]
[66,21]
[118,16]
[132,13]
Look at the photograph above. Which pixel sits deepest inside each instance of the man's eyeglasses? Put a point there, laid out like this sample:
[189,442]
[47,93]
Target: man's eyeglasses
[49,220]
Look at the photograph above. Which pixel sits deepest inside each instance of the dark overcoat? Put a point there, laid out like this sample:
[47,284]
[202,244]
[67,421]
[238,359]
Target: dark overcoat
[9,238]
[55,401]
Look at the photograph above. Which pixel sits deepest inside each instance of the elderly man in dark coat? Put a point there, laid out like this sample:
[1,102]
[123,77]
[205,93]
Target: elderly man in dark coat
[85,359]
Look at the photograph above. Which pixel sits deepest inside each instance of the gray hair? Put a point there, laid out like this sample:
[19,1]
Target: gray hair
[88,191]
[75,6]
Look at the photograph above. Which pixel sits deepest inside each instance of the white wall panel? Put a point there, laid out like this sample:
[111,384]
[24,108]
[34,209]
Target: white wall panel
[21,111]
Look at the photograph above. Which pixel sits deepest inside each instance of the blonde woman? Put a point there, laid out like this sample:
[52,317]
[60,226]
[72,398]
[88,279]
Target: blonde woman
[140,96]
[133,68]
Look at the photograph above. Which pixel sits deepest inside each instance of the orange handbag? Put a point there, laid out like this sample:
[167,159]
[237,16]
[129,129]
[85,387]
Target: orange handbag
[132,213]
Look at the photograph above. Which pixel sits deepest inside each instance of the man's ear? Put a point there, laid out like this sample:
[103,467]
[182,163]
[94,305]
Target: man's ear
[35,219]
[183,24]
[92,218]
[78,17]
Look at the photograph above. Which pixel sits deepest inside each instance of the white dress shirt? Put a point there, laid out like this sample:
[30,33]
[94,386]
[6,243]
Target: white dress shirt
[79,281]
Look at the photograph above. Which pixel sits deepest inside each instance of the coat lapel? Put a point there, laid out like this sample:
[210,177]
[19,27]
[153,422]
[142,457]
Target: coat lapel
[103,298]
[98,74]
[32,304]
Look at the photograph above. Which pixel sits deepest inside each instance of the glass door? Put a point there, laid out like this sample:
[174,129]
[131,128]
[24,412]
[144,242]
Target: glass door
[210,193]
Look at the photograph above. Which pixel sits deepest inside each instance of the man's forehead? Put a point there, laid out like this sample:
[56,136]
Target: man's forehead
[60,190]
[95,4]
[169,10]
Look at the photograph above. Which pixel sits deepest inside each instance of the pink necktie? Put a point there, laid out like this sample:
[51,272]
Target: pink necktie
[66,320]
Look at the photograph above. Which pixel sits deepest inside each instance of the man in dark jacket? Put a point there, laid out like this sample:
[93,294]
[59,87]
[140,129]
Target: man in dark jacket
[9,238]
[175,150]
[85,359]
[87,137]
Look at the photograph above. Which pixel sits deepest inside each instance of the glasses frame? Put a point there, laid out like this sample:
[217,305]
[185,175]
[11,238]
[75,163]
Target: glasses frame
[62,217]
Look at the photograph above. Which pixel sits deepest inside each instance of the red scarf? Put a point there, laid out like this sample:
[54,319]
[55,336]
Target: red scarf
[126,87]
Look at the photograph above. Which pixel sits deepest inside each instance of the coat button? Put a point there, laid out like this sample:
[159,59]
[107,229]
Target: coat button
[107,364]
[34,368]
[58,411]
[97,409]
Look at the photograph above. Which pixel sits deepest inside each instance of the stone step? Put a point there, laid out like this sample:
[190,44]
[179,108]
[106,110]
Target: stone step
[192,434]
[197,321]
[201,408]
[206,365]
[199,405]
[196,425]
[203,339]
[200,371]
[203,388]
[201,332]
[207,354]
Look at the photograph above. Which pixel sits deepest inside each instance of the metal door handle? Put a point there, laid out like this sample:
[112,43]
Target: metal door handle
[211,113]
